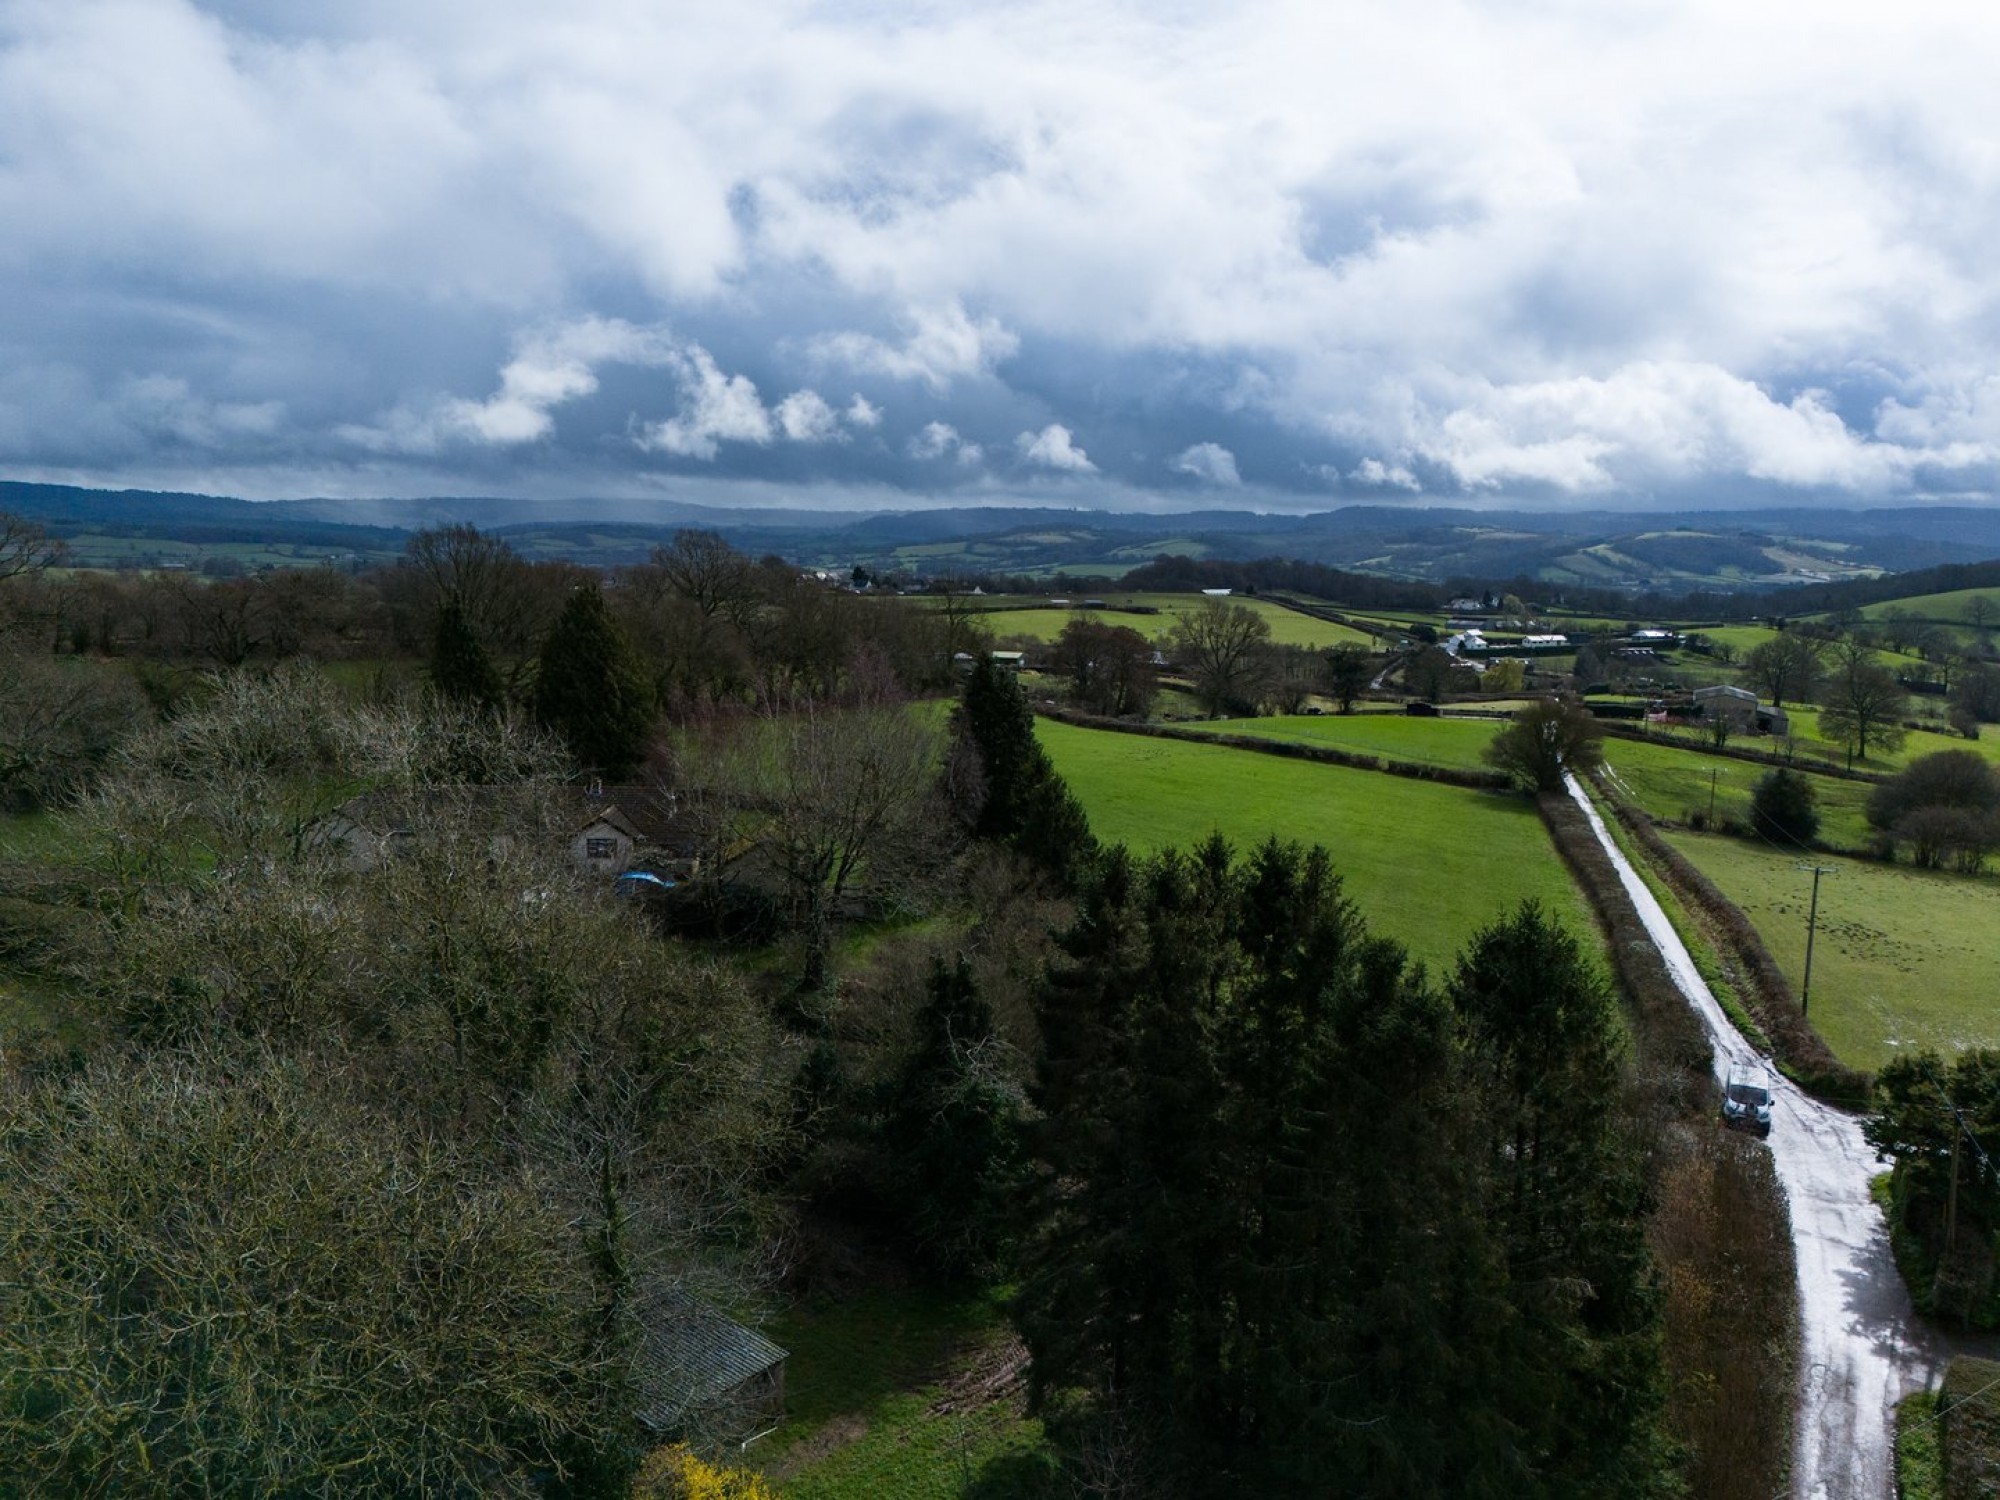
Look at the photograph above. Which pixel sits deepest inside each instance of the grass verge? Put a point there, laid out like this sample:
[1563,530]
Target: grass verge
[1919,1459]
[908,1392]
[1454,743]
[1715,972]
[1806,1057]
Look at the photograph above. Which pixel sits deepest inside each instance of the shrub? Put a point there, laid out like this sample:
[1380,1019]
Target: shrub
[1547,738]
[1961,779]
[1946,807]
[1785,805]
[677,1474]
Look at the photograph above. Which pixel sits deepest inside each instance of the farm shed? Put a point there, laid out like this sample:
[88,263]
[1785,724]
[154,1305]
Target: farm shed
[1724,700]
[699,1371]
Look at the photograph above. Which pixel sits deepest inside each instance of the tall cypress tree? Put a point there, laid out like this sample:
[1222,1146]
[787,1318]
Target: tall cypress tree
[1026,804]
[589,689]
[1568,1201]
[954,1128]
[460,668]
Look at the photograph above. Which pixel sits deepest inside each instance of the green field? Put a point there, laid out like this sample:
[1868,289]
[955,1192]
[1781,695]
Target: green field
[1920,742]
[1456,743]
[103,550]
[1288,626]
[1743,638]
[1904,958]
[1941,607]
[1671,781]
[1427,864]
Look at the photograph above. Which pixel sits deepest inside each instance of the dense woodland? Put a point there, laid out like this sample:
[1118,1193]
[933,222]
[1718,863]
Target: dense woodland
[313,1141]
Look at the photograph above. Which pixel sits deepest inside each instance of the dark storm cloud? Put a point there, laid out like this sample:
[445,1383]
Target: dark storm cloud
[1277,255]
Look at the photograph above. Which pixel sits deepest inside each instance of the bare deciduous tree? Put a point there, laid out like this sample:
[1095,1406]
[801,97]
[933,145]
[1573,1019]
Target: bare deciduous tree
[1863,704]
[60,721]
[1110,667]
[1220,644]
[25,547]
[710,574]
[1788,664]
[1547,738]
[829,793]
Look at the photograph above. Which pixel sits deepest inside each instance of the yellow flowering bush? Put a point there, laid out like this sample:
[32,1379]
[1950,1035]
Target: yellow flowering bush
[677,1473]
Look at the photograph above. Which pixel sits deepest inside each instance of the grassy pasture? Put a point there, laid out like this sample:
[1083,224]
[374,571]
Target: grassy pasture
[1744,638]
[1427,864]
[1670,780]
[1920,742]
[886,1393]
[1288,626]
[104,550]
[1456,743]
[1949,607]
[1904,958]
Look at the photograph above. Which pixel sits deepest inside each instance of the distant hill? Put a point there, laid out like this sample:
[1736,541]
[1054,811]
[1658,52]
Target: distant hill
[1811,554]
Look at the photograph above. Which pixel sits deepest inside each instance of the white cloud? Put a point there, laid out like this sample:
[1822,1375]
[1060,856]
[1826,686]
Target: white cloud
[943,345]
[1209,462]
[1652,421]
[861,412]
[1374,474]
[1053,448]
[1505,243]
[804,417]
[715,408]
[552,367]
[942,440]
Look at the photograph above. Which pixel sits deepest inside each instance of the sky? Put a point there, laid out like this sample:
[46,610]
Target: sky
[1268,254]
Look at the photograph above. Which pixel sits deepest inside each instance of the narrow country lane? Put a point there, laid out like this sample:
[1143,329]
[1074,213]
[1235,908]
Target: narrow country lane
[1863,1346]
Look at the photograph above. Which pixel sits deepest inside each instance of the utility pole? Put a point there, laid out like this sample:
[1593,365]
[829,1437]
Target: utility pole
[1951,1201]
[1711,797]
[1812,924]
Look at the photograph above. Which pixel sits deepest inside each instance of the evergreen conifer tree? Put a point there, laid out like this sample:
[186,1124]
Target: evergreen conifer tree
[1784,806]
[1584,1357]
[1301,1215]
[460,668]
[1025,804]
[954,1131]
[589,690]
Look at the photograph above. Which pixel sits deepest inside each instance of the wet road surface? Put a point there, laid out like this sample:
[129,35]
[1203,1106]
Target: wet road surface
[1863,1346]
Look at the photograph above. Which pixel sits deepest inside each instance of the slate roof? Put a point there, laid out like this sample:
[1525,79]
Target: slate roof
[690,1355]
[653,817]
